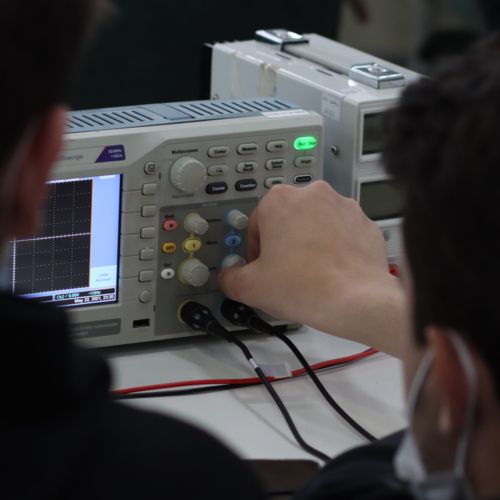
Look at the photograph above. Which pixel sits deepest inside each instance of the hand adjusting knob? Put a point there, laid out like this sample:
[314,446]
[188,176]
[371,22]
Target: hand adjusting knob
[188,175]
[193,272]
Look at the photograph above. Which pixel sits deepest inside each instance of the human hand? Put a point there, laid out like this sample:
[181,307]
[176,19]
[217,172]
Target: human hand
[314,258]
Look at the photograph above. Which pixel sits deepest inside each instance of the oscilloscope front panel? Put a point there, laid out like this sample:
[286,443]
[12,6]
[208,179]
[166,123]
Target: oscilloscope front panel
[121,196]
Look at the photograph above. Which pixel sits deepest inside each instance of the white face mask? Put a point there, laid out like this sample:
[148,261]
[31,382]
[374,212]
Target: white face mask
[408,464]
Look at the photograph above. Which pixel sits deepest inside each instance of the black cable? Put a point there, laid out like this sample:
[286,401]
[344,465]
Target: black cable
[242,315]
[182,392]
[200,317]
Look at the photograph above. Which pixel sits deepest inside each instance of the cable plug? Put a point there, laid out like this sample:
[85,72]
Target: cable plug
[200,318]
[244,316]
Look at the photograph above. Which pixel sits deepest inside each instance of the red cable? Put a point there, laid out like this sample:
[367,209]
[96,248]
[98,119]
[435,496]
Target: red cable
[244,381]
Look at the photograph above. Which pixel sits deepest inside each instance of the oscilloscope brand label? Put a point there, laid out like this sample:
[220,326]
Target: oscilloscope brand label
[93,155]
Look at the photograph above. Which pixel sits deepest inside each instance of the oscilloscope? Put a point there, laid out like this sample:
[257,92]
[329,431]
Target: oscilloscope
[352,90]
[147,203]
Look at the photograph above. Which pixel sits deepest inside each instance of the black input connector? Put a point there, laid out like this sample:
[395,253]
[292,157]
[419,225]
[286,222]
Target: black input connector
[200,318]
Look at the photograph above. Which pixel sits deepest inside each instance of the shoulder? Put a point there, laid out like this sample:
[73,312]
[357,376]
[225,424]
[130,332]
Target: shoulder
[155,454]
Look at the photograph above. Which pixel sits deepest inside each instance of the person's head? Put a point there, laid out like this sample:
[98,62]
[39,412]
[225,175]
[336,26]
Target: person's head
[443,148]
[40,46]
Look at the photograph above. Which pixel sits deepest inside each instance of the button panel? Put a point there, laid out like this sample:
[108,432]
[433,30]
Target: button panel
[221,179]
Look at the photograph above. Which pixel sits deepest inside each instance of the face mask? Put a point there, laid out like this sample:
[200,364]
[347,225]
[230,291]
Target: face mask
[408,462]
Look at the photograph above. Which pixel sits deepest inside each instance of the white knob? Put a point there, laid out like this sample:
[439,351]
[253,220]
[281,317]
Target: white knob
[193,272]
[195,223]
[188,174]
[233,260]
[236,219]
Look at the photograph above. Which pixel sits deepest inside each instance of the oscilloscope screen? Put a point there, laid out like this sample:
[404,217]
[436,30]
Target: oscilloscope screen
[73,260]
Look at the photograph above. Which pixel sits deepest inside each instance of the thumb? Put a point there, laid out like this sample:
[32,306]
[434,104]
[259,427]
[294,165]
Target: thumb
[240,283]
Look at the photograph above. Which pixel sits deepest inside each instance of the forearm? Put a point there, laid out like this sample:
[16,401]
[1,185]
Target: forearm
[374,315]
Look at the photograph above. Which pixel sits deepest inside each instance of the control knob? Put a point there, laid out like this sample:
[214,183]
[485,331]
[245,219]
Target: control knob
[195,223]
[193,272]
[236,219]
[233,260]
[188,175]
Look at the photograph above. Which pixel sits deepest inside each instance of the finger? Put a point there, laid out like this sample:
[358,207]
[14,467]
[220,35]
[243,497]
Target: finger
[239,283]
[253,235]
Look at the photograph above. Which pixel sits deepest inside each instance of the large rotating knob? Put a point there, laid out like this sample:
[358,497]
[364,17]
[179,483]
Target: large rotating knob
[188,174]
[236,219]
[195,223]
[193,272]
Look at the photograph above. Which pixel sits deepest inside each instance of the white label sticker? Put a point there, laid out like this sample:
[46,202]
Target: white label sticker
[330,106]
[286,112]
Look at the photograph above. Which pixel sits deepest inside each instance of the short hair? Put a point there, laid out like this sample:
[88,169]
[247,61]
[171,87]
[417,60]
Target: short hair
[443,147]
[40,46]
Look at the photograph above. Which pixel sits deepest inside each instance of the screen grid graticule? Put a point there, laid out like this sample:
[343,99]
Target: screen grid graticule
[58,257]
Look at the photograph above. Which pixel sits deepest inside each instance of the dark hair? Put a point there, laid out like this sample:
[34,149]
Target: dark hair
[40,45]
[443,147]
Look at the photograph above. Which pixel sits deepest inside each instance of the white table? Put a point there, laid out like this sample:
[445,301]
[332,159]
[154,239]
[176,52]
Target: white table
[247,419]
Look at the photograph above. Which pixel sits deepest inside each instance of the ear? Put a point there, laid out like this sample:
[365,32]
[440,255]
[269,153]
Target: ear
[40,153]
[451,381]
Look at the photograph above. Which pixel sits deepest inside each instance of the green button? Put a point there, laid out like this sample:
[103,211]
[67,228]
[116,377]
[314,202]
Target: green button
[305,142]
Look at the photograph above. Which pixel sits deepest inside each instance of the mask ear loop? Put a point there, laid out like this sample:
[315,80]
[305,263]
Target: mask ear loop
[471,376]
[418,382]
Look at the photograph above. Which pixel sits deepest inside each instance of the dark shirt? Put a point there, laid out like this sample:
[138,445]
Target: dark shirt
[364,473]
[63,437]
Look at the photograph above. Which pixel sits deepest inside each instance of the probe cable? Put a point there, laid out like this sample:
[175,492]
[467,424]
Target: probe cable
[200,318]
[244,316]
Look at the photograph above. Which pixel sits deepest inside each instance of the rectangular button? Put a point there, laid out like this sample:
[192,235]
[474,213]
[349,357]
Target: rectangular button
[276,146]
[147,254]
[305,161]
[218,151]
[246,166]
[276,164]
[271,181]
[248,149]
[149,189]
[148,210]
[217,170]
[146,276]
[148,233]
